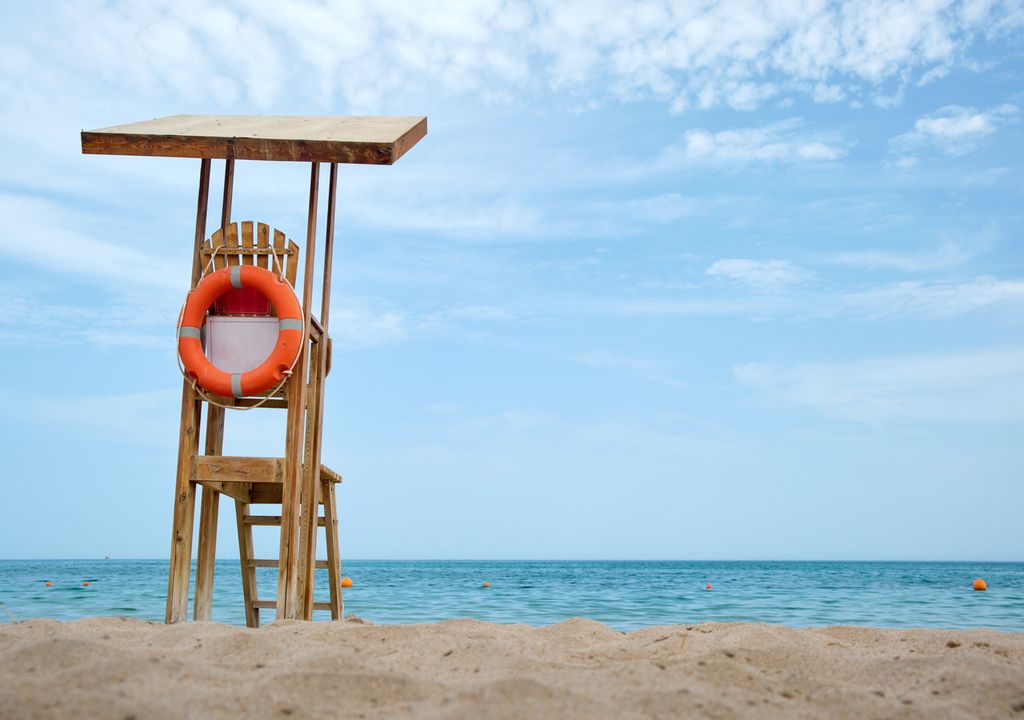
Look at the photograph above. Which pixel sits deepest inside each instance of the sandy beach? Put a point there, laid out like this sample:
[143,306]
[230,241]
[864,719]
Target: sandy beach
[122,668]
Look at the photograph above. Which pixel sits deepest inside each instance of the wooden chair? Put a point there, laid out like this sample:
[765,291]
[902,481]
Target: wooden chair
[259,480]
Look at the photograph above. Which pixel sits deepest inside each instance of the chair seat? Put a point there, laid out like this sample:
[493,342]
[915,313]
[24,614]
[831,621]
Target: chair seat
[249,479]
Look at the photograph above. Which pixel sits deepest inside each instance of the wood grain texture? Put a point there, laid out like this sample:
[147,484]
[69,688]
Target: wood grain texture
[372,140]
[330,523]
[188,446]
[245,554]
[288,604]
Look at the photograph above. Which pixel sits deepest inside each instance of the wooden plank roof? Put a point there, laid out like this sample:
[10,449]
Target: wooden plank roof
[374,140]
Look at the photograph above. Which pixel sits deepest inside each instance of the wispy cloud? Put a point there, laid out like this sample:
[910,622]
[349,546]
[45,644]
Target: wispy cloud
[974,387]
[781,142]
[650,370]
[954,129]
[947,254]
[357,325]
[47,234]
[935,299]
[761,274]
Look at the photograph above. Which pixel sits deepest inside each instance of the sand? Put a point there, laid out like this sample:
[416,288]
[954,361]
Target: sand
[121,668]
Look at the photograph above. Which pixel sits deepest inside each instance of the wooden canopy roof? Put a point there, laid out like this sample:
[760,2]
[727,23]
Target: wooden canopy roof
[379,140]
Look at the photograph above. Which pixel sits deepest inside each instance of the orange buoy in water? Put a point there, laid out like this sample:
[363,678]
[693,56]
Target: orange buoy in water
[49,584]
[708,586]
[487,583]
[85,584]
[980,585]
[346,582]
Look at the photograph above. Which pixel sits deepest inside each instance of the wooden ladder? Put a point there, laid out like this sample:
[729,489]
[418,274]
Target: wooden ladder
[258,481]
[245,522]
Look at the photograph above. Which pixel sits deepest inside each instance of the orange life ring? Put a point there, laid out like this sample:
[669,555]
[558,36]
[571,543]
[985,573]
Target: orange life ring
[289,337]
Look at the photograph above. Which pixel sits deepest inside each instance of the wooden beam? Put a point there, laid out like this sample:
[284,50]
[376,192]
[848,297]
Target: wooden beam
[231,468]
[271,563]
[378,140]
[188,445]
[273,603]
[270,520]
[287,600]
[209,469]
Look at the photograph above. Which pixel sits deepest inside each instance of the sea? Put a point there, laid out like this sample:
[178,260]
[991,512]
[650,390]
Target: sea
[626,595]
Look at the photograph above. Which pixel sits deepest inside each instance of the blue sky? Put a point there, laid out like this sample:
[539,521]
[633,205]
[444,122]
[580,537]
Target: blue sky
[715,280]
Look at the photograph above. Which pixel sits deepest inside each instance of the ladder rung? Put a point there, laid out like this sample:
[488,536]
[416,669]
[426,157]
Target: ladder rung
[273,604]
[273,520]
[320,564]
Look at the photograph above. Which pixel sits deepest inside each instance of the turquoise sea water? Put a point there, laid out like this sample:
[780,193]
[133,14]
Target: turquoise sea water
[625,595]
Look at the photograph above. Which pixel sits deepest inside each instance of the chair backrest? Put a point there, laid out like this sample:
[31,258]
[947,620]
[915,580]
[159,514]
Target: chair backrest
[248,243]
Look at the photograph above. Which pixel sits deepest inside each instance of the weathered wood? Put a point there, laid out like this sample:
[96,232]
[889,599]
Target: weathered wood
[273,563]
[263,244]
[311,486]
[287,600]
[247,243]
[239,491]
[206,552]
[231,245]
[280,262]
[273,604]
[245,553]
[233,468]
[330,523]
[217,253]
[325,296]
[188,445]
[270,520]
[309,497]
[293,263]
[209,511]
[378,140]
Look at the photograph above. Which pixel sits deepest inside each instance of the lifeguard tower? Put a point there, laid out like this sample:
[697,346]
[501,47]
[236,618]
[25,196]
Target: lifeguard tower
[243,282]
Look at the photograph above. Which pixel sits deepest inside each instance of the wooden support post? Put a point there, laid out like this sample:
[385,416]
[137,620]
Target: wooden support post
[188,446]
[289,555]
[314,418]
[333,550]
[209,505]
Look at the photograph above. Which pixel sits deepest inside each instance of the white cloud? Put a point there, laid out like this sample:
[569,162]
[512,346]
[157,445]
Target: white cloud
[933,299]
[762,274]
[140,418]
[359,54]
[46,234]
[977,387]
[947,254]
[954,129]
[357,326]
[778,142]
[647,369]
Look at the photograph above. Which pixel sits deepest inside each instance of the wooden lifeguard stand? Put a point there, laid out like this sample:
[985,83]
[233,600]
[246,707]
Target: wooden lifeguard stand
[298,481]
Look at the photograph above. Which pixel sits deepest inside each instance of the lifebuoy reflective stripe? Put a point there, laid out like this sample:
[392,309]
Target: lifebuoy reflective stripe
[289,336]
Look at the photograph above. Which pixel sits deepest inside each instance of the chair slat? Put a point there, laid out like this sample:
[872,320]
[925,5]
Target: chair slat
[231,245]
[293,262]
[216,241]
[263,243]
[247,245]
[279,252]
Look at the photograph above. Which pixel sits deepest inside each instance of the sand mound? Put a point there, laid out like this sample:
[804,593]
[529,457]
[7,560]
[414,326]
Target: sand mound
[120,668]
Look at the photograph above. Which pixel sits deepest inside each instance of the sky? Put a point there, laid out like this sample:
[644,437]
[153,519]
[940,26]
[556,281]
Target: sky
[737,280]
